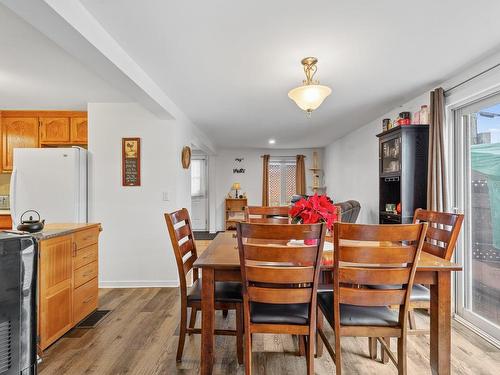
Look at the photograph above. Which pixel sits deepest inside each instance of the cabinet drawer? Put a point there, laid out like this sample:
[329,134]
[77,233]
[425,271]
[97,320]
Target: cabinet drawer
[85,256]
[85,300]
[87,237]
[85,274]
[5,222]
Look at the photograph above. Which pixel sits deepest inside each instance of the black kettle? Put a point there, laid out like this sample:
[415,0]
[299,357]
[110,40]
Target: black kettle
[31,225]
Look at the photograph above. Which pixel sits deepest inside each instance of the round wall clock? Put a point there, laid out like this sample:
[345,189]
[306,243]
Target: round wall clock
[186,157]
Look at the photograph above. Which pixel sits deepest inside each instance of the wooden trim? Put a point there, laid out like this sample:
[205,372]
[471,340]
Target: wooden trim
[277,295]
[372,297]
[303,255]
[280,275]
[376,276]
[278,328]
[218,332]
[44,113]
[377,254]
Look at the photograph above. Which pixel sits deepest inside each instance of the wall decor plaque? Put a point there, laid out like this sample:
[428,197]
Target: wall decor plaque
[131,161]
[239,165]
[186,157]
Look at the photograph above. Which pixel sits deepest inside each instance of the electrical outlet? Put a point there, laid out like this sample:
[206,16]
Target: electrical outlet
[165,196]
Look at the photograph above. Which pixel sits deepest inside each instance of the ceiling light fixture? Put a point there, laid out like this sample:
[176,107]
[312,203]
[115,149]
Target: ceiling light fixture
[311,94]
[272,141]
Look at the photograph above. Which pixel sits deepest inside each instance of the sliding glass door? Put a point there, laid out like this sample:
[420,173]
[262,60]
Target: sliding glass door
[477,194]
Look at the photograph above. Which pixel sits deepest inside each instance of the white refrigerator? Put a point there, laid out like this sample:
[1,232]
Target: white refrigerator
[52,181]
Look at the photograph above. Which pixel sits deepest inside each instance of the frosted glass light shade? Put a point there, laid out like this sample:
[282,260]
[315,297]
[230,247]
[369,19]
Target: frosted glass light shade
[309,97]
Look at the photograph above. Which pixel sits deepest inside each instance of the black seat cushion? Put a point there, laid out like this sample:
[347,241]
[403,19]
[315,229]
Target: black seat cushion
[268,313]
[351,315]
[419,293]
[225,291]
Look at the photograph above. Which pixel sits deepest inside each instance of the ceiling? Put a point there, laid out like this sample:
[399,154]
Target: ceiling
[36,73]
[228,65]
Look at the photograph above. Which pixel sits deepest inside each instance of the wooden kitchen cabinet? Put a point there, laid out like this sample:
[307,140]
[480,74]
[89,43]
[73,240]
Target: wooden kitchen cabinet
[17,132]
[68,279]
[85,271]
[54,130]
[79,130]
[33,129]
[56,288]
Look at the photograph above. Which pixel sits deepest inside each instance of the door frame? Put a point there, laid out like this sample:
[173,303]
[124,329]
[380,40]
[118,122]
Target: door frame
[205,157]
[459,116]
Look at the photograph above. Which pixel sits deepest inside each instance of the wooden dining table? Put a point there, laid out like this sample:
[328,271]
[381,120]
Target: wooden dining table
[220,262]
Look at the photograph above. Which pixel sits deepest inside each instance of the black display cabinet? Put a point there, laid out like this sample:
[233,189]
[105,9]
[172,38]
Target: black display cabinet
[403,155]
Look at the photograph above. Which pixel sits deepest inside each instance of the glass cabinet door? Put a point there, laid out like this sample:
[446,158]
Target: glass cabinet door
[390,156]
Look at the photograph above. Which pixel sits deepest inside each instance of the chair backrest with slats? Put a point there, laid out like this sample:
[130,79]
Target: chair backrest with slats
[277,273]
[367,255]
[181,236]
[442,233]
[267,214]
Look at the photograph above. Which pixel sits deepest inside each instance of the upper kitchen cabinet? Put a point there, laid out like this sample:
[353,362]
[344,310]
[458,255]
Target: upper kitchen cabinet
[23,129]
[79,130]
[17,132]
[54,130]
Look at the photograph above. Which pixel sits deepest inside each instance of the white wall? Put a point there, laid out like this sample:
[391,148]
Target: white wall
[251,180]
[35,73]
[135,247]
[351,162]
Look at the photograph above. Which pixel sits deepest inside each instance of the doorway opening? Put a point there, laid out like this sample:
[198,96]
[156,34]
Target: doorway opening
[199,191]
[477,177]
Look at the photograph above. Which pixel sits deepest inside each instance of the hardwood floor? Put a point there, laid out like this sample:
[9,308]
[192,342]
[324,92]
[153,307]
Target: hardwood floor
[140,337]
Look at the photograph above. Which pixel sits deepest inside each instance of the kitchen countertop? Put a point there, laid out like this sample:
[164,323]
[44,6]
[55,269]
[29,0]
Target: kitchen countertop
[5,212]
[61,229]
[56,230]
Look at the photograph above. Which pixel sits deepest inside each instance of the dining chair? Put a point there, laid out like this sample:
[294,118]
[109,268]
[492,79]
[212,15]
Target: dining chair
[440,240]
[272,215]
[228,295]
[267,214]
[366,255]
[280,282]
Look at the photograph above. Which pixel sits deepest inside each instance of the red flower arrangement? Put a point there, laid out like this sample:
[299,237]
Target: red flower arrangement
[315,209]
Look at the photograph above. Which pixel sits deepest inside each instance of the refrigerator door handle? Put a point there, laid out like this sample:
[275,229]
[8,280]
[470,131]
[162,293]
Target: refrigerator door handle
[12,196]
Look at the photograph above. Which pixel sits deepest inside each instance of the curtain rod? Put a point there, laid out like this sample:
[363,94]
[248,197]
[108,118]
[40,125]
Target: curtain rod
[282,156]
[471,78]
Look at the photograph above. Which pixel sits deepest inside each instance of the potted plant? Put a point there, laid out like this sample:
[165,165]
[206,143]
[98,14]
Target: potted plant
[312,210]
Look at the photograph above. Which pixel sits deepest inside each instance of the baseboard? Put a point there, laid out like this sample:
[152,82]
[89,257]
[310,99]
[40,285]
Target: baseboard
[493,341]
[139,284]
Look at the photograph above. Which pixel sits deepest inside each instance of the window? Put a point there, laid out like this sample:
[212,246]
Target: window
[477,171]
[281,181]
[197,183]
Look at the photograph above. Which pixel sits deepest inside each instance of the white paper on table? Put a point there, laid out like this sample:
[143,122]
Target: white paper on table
[327,246]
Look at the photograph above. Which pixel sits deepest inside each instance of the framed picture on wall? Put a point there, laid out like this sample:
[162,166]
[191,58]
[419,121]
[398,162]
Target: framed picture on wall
[131,161]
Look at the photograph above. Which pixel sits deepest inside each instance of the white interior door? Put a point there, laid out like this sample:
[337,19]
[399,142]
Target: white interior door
[199,193]
[477,171]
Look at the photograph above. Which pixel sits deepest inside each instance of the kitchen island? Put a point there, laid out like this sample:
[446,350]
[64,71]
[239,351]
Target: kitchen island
[67,278]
